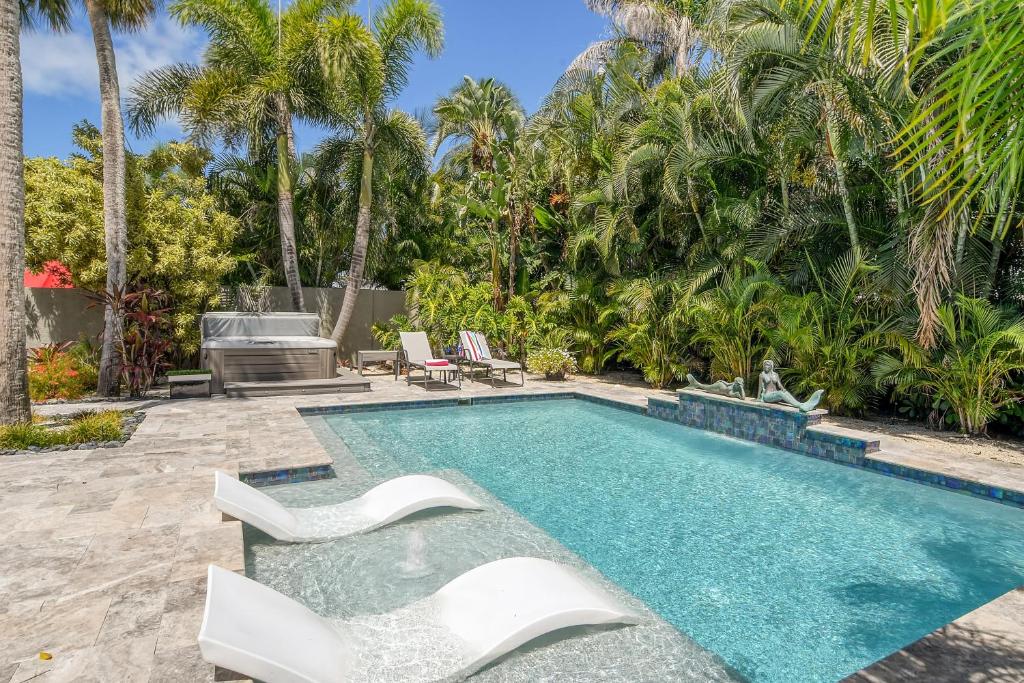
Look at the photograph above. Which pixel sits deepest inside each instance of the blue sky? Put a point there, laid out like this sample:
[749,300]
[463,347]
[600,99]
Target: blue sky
[525,43]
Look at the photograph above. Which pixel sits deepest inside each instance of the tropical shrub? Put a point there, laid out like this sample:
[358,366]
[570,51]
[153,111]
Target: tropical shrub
[980,348]
[729,322]
[581,307]
[54,371]
[442,303]
[386,333]
[179,241]
[829,338]
[552,363]
[145,340]
[652,332]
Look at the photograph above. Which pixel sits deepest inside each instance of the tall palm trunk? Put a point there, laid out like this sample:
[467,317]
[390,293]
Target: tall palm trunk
[14,406]
[844,190]
[286,205]
[514,231]
[115,227]
[355,270]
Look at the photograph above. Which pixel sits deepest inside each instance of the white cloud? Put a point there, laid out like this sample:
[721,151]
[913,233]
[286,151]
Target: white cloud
[65,64]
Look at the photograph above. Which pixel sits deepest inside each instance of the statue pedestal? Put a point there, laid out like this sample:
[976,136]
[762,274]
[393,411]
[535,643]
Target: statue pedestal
[770,424]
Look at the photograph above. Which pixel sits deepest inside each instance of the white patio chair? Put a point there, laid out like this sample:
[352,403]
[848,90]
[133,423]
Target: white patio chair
[477,352]
[416,353]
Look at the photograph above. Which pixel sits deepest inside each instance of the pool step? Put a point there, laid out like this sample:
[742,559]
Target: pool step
[335,385]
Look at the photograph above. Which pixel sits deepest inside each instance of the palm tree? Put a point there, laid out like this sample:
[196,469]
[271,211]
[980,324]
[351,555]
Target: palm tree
[105,15]
[14,404]
[961,144]
[668,29]
[785,75]
[259,70]
[102,17]
[476,115]
[368,66]
[485,121]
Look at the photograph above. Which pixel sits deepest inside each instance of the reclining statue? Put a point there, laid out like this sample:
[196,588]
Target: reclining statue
[720,387]
[770,390]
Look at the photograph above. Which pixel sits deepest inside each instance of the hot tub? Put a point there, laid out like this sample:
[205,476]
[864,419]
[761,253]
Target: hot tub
[265,347]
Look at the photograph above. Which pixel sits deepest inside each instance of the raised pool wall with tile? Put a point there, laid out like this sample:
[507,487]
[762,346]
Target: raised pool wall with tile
[790,429]
[781,427]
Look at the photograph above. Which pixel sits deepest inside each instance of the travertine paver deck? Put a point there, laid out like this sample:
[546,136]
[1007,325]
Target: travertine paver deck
[103,553]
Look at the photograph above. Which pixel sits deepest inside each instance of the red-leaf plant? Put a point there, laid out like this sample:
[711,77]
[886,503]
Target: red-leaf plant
[144,341]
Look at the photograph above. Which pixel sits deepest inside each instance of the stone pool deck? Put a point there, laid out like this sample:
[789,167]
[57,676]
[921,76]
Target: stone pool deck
[104,552]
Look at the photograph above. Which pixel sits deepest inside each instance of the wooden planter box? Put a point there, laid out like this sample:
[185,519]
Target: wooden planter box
[190,386]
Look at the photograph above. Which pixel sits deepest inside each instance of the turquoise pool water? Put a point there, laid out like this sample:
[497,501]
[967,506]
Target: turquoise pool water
[789,568]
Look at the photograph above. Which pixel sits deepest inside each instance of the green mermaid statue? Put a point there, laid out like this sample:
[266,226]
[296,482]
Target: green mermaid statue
[770,390]
[721,387]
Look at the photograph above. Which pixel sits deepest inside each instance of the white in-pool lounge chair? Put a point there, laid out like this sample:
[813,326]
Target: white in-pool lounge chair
[416,353]
[483,614]
[477,353]
[381,505]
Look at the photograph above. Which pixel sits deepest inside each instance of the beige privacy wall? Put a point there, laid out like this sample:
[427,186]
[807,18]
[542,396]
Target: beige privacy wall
[56,315]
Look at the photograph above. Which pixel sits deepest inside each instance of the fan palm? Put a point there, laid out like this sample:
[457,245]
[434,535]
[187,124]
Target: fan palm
[259,70]
[368,66]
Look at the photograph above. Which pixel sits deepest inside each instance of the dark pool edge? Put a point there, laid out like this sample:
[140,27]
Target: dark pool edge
[984,644]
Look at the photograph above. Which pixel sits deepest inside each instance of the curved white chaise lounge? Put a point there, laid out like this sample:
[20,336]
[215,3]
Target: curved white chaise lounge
[476,618]
[381,505]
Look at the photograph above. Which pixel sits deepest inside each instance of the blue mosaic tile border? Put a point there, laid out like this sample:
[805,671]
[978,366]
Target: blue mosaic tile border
[295,475]
[799,433]
[518,398]
[965,486]
[373,407]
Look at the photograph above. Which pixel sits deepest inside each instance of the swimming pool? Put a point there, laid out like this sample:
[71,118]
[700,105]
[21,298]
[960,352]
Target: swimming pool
[789,568]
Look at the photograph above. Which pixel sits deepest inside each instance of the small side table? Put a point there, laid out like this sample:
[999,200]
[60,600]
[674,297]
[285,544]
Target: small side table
[364,358]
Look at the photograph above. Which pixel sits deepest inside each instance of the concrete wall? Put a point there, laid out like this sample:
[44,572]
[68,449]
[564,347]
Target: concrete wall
[56,315]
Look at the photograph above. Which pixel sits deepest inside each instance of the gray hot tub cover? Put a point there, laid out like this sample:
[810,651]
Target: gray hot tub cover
[231,324]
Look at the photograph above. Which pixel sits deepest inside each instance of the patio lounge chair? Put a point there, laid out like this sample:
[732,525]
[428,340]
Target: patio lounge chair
[478,354]
[380,506]
[254,631]
[417,354]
